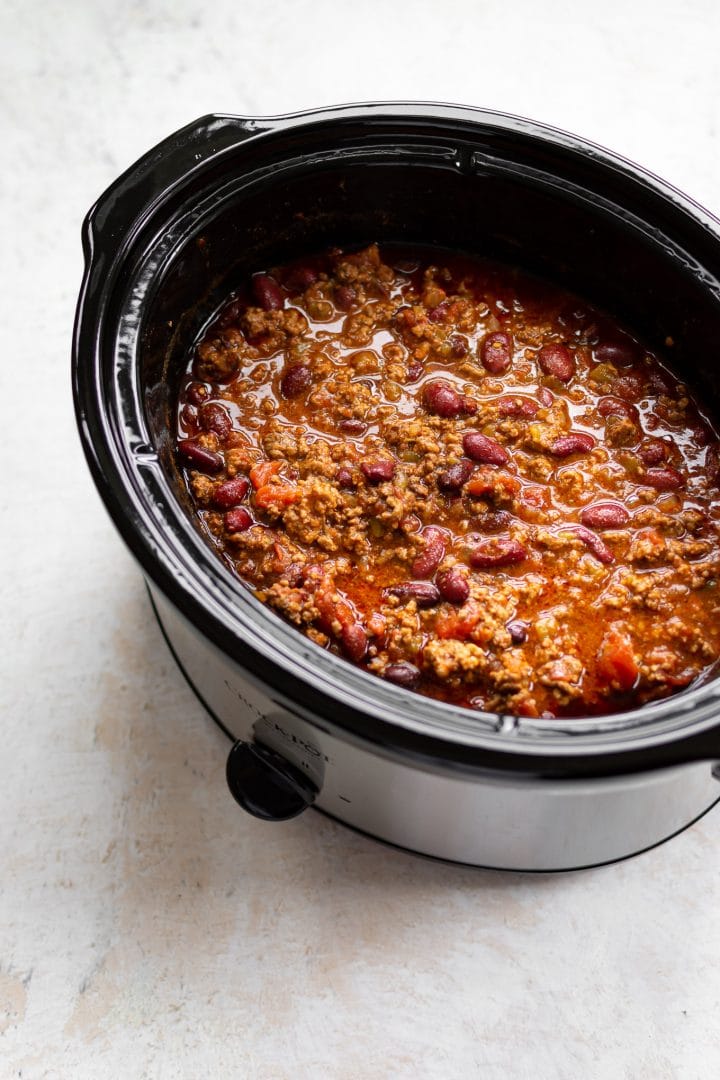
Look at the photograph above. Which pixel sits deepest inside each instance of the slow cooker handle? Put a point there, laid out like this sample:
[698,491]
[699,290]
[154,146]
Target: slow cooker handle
[155,173]
[265,784]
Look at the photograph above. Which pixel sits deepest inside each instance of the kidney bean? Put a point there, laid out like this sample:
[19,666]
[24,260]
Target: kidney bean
[188,419]
[424,593]
[481,448]
[518,631]
[345,478]
[237,520]
[666,479]
[230,493]
[500,552]
[295,381]
[302,277]
[345,297]
[427,561]
[593,543]
[458,345]
[620,353]
[712,464]
[661,382]
[629,387]
[614,406]
[575,442]
[214,417]
[496,352]
[267,292]
[442,399]
[206,461]
[229,315]
[453,585]
[414,370]
[353,426]
[557,360]
[517,407]
[653,452]
[545,396]
[605,515]
[439,313]
[378,470]
[403,674]
[197,393]
[354,640]
[453,478]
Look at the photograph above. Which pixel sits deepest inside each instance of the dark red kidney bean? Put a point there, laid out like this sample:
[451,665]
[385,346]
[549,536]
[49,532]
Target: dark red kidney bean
[188,418]
[557,360]
[439,313]
[453,585]
[661,382]
[345,297]
[353,426]
[267,292]
[614,406]
[605,515]
[197,393]
[206,461]
[616,352]
[442,399]
[378,470]
[427,561]
[575,442]
[712,464]
[295,381]
[402,674]
[414,370]
[653,452]
[493,553]
[214,417]
[665,479]
[302,277]
[521,408]
[230,493]
[345,478]
[229,315]
[496,352]
[593,543]
[453,478]
[458,345]
[518,631]
[424,593]
[354,640]
[237,520]
[482,448]
[629,387]
[545,396]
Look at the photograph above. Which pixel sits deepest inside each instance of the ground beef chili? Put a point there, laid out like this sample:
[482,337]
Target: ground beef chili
[464,480]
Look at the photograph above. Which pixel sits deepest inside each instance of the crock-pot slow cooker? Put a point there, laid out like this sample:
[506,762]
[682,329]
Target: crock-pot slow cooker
[229,195]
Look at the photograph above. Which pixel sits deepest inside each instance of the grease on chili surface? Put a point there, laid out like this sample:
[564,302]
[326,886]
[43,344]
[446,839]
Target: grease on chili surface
[464,480]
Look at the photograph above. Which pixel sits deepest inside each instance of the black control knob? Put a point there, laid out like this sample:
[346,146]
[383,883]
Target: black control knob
[265,784]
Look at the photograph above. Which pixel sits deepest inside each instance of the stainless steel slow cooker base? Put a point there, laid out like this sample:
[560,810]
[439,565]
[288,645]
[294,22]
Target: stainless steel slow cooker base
[493,821]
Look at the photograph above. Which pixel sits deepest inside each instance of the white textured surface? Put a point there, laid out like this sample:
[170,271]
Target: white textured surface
[147,927]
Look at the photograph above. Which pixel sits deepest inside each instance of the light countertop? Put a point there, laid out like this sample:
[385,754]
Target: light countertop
[149,929]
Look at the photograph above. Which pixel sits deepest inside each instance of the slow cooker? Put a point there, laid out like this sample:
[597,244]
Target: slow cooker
[228,195]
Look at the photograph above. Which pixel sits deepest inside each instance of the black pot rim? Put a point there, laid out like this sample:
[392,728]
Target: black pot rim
[316,683]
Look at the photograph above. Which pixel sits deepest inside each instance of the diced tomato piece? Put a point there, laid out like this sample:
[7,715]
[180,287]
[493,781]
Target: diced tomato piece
[617,665]
[260,474]
[275,496]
